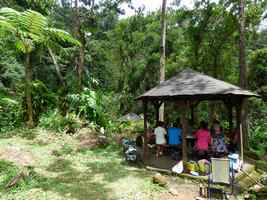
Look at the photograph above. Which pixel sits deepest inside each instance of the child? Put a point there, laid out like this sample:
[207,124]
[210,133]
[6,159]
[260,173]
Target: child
[160,133]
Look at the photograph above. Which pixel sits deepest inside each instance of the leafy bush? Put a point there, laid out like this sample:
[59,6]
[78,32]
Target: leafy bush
[88,105]
[258,126]
[42,99]
[10,113]
[53,120]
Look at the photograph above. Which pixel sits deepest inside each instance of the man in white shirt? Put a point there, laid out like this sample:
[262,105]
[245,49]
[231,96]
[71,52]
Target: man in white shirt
[160,133]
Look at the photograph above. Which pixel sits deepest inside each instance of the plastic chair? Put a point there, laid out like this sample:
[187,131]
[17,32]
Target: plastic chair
[221,172]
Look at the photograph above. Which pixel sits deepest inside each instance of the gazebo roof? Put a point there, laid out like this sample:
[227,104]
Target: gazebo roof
[191,84]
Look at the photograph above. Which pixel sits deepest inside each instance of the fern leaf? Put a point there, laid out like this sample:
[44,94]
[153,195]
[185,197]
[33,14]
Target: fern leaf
[33,22]
[9,13]
[24,45]
[5,26]
[62,36]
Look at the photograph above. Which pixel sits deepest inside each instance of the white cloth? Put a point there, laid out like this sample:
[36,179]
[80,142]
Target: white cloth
[178,168]
[160,133]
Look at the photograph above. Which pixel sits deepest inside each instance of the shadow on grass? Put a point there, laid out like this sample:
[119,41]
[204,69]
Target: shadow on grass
[93,182]
[70,183]
[22,132]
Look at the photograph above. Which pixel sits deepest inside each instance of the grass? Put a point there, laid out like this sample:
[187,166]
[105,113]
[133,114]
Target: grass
[72,174]
[7,171]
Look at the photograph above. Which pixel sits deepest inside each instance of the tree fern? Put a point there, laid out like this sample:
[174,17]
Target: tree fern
[10,14]
[5,26]
[61,36]
[31,29]
[33,22]
[31,25]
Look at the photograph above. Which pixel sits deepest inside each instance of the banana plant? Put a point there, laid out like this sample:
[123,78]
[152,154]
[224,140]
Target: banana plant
[30,30]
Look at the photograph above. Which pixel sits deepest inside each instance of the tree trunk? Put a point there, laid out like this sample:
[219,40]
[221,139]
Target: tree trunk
[162,51]
[61,78]
[243,69]
[242,53]
[81,37]
[81,61]
[213,105]
[28,91]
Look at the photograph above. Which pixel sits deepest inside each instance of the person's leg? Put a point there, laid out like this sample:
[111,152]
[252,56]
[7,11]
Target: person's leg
[157,151]
[161,149]
[200,154]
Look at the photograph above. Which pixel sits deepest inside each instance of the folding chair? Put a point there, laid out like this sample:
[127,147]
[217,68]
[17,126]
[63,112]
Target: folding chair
[221,172]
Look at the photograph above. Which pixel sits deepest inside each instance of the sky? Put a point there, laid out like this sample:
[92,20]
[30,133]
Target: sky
[152,5]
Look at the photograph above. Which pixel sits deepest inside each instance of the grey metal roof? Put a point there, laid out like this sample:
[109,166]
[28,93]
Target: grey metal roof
[191,83]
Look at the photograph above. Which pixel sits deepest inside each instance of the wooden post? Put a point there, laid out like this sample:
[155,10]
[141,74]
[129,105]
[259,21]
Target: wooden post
[230,117]
[192,113]
[244,122]
[238,122]
[145,148]
[229,106]
[241,144]
[184,134]
[157,114]
[157,107]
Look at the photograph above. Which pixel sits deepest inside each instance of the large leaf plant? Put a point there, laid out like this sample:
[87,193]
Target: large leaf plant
[30,30]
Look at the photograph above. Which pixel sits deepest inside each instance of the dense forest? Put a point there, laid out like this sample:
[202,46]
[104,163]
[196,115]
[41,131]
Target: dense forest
[65,62]
[70,64]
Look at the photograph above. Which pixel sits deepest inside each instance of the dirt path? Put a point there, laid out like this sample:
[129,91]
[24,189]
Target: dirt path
[17,155]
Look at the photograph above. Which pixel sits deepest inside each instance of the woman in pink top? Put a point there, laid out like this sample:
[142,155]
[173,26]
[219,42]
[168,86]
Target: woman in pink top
[203,140]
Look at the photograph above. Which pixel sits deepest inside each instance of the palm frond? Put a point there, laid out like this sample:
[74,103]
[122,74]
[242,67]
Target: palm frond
[60,36]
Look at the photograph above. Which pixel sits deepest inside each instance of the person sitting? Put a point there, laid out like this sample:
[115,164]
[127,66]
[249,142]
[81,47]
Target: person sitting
[175,134]
[160,133]
[203,140]
[218,144]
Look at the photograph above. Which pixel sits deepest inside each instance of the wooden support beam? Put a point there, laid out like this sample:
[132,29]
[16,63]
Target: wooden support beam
[229,105]
[184,134]
[192,114]
[244,122]
[145,147]
[243,126]
[157,105]
[239,126]
[230,117]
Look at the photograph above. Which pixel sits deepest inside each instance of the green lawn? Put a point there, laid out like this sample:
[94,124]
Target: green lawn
[70,173]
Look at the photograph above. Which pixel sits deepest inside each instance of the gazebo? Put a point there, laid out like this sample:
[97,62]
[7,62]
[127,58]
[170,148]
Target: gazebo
[189,88]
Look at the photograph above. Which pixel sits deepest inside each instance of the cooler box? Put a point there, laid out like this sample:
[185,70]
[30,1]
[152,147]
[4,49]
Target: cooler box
[234,161]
